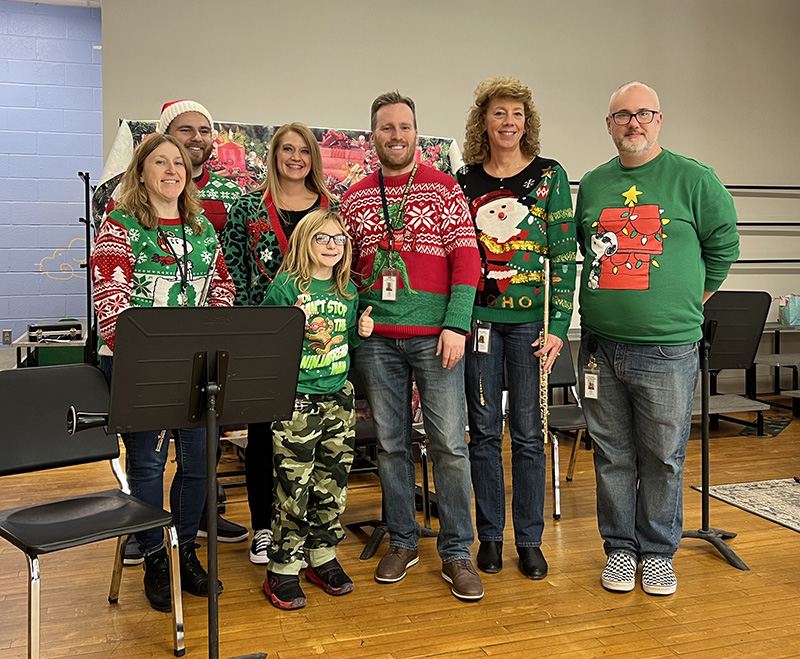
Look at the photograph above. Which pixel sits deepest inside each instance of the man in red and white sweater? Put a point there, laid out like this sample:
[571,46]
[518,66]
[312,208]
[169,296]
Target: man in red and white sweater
[416,263]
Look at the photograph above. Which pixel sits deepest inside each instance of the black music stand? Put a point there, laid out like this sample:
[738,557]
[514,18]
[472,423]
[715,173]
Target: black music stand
[716,537]
[192,367]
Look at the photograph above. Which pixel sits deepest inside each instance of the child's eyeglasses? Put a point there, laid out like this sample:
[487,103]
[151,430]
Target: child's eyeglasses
[325,239]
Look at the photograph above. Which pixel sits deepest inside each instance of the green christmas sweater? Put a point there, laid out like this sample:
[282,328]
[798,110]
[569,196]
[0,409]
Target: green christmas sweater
[216,194]
[654,238]
[137,267]
[254,243]
[522,220]
[330,333]
[431,245]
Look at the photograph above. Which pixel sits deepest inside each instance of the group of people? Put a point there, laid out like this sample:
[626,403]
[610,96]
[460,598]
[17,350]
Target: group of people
[420,276]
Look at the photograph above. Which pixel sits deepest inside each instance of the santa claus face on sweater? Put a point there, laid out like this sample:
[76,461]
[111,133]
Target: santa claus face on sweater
[501,218]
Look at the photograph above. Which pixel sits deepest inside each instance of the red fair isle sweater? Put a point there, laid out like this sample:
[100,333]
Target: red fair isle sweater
[435,253]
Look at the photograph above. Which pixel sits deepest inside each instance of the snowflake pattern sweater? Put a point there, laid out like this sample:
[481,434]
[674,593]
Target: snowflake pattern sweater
[136,267]
[438,255]
[217,194]
[522,220]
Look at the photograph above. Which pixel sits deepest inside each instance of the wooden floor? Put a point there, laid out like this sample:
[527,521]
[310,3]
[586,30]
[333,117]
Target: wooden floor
[718,611]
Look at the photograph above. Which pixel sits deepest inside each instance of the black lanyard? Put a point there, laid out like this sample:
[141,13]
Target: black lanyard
[183,272]
[401,213]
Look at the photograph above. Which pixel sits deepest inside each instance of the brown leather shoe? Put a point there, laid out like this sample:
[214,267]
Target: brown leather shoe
[466,583]
[394,564]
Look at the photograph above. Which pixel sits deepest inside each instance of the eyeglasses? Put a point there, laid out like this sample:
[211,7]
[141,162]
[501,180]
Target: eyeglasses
[325,239]
[642,116]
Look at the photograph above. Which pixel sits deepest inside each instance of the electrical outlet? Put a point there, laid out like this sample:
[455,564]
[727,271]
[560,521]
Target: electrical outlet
[7,337]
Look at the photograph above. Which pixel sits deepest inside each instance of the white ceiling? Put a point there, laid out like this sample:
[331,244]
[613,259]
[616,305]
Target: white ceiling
[94,4]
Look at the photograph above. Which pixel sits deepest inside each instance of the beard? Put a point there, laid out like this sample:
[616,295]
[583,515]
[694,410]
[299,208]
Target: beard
[200,158]
[626,145]
[395,160]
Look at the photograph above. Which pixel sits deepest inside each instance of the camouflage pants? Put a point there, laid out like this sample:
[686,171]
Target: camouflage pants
[313,453]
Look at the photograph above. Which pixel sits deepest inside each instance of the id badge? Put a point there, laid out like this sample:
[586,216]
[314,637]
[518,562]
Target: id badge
[590,379]
[389,280]
[482,333]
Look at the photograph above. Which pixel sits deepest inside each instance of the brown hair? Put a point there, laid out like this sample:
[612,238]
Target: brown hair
[298,261]
[476,142]
[390,98]
[134,199]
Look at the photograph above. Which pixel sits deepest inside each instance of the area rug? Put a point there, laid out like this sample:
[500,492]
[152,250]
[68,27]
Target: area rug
[775,500]
[775,421]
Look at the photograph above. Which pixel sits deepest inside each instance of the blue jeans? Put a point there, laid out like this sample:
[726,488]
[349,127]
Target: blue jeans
[145,462]
[386,366]
[640,424]
[509,343]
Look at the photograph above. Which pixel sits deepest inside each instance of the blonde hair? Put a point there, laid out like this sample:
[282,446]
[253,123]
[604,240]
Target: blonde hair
[476,142]
[299,261]
[134,199]
[315,179]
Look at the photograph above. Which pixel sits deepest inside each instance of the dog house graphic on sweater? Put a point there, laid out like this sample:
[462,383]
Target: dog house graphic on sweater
[626,243]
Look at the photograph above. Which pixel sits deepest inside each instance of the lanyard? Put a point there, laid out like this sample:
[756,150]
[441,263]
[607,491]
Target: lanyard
[401,213]
[183,272]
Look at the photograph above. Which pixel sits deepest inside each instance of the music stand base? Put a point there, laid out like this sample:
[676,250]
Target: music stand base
[375,538]
[717,538]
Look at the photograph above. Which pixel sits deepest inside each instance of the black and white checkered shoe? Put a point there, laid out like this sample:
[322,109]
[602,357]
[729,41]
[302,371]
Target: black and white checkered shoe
[658,577]
[620,572]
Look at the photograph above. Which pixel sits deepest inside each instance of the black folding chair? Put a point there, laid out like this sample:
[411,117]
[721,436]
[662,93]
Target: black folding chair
[738,319]
[565,419]
[33,405]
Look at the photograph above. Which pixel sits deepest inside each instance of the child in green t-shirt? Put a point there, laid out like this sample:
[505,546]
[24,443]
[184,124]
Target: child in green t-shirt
[313,452]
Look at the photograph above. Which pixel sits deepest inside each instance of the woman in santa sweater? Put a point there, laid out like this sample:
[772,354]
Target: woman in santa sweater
[522,209]
[155,250]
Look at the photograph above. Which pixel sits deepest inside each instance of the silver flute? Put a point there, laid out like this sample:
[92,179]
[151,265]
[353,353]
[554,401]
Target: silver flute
[544,392]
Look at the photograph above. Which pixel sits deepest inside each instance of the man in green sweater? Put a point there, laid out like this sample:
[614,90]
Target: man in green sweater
[658,232]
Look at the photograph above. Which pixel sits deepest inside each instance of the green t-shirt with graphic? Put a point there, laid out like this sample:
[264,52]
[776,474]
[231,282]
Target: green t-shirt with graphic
[330,331]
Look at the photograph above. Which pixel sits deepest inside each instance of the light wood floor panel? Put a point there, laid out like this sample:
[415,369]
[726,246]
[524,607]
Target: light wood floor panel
[718,611]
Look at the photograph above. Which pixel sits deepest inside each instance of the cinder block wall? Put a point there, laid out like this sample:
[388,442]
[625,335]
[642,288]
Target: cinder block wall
[50,129]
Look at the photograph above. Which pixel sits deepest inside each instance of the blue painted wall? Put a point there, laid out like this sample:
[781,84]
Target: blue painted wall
[50,129]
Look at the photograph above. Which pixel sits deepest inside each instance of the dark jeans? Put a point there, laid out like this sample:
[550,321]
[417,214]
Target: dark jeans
[509,344]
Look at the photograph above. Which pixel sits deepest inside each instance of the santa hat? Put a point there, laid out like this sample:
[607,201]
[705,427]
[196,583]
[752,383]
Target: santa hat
[489,197]
[174,108]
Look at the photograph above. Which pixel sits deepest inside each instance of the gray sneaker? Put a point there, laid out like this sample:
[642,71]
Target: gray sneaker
[133,555]
[620,572]
[465,581]
[658,577]
[394,564]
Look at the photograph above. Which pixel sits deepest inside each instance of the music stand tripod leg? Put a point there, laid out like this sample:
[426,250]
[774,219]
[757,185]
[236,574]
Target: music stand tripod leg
[714,536]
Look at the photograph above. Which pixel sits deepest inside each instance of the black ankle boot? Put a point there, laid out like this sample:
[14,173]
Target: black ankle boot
[194,578]
[490,557]
[532,563]
[156,580]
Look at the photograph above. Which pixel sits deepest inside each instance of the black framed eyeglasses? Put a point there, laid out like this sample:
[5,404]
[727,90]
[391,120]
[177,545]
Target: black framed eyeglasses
[325,239]
[642,116]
